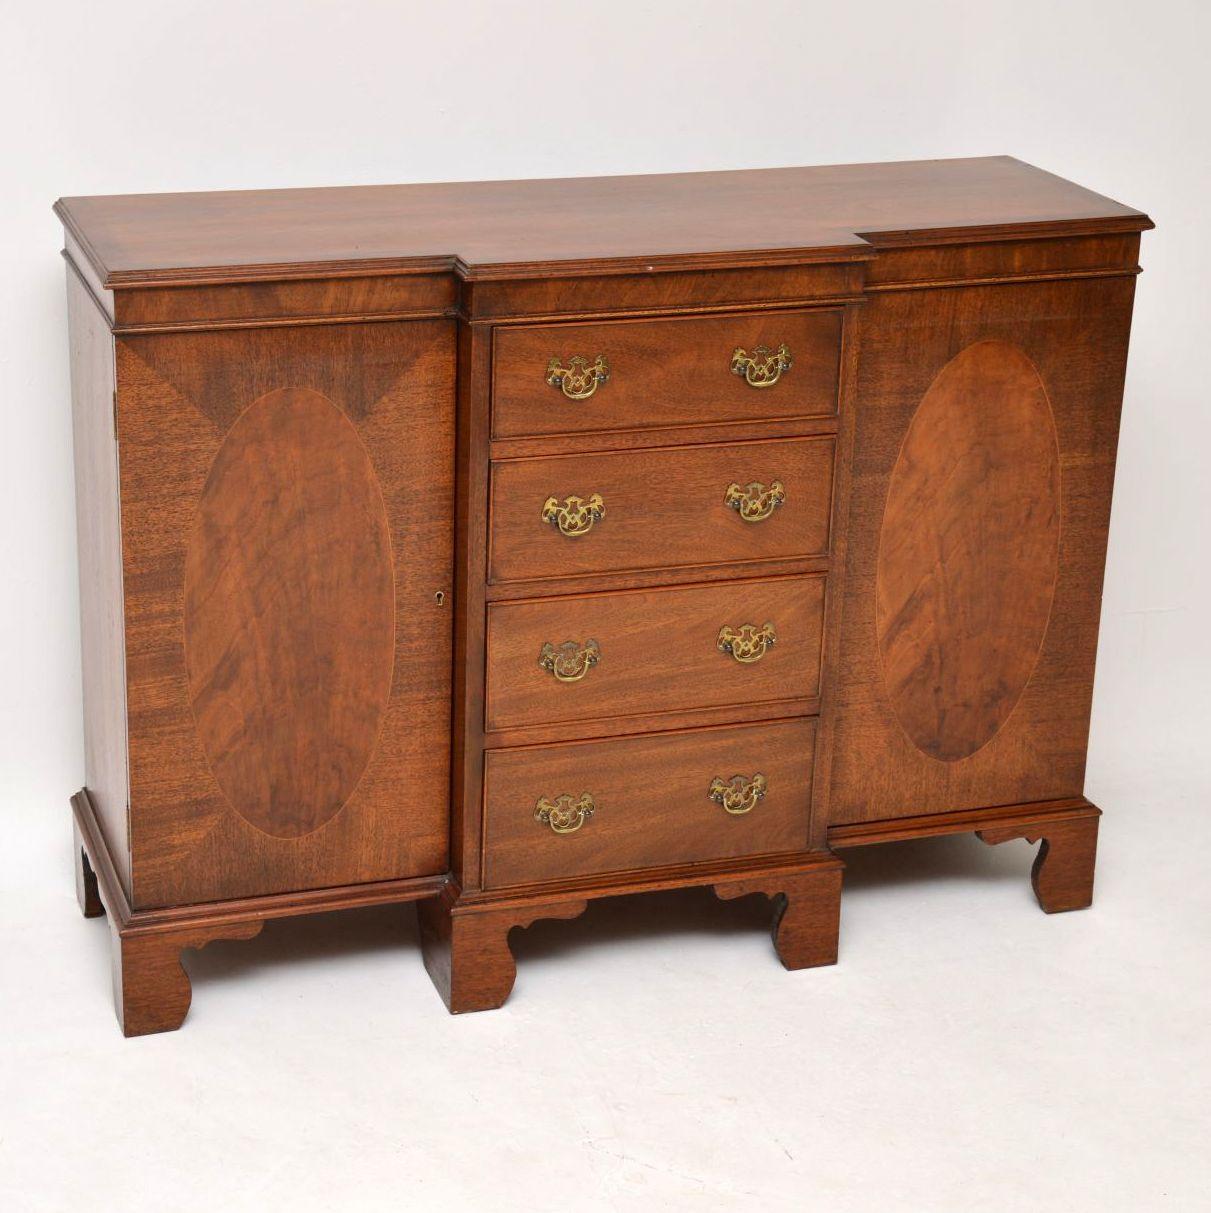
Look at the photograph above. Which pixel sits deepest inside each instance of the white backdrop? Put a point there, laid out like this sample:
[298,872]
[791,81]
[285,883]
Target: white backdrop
[142,96]
[149,95]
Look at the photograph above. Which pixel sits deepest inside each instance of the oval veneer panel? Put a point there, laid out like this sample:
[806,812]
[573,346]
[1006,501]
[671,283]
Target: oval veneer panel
[289,612]
[969,550]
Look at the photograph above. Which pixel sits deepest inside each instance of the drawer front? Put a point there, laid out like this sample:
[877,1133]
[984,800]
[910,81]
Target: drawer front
[646,802]
[594,656]
[674,507]
[644,374]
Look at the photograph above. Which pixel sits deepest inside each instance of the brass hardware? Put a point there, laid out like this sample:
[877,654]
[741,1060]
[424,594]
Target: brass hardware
[576,516]
[763,367]
[580,378]
[738,795]
[754,501]
[565,815]
[570,662]
[747,645]
[440,597]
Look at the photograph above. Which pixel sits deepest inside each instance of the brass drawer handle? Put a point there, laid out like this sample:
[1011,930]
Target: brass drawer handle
[565,815]
[754,502]
[569,662]
[748,644]
[763,367]
[576,516]
[580,378]
[738,795]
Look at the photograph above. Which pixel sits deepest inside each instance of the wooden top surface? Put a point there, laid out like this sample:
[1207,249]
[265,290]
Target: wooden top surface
[488,229]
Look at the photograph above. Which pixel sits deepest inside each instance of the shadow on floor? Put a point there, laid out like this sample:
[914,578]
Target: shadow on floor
[310,939]
[610,921]
[927,860]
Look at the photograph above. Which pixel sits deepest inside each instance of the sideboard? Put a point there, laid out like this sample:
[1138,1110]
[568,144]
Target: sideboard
[498,546]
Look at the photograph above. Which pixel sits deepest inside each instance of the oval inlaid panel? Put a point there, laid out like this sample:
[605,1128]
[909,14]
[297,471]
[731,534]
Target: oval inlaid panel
[969,550]
[290,612]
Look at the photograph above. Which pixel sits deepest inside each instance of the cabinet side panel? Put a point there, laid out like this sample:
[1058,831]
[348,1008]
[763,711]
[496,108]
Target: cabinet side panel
[99,543]
[987,426]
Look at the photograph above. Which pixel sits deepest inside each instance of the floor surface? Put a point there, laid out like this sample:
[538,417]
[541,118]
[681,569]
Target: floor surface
[968,1053]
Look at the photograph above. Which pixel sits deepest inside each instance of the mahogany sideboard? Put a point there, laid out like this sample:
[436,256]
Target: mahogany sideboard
[499,546]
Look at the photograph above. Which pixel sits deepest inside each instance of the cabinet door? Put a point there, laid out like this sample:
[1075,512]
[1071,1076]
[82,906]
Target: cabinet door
[287,515]
[986,426]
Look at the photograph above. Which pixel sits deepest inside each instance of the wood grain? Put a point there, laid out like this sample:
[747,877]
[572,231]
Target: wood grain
[1066,830]
[151,988]
[620,292]
[918,267]
[467,953]
[652,801]
[311,627]
[486,227]
[834,595]
[968,550]
[301,301]
[1062,874]
[1075,333]
[180,395]
[806,910]
[464,936]
[289,612]
[152,991]
[658,652]
[664,508]
[672,372]
[99,554]
[470,569]
[960,821]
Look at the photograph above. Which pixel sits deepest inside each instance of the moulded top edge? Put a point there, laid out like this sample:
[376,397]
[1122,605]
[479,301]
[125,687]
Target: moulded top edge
[579,226]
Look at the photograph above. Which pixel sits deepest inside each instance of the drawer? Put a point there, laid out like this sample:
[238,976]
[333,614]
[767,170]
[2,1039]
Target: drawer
[646,802]
[568,515]
[595,656]
[547,379]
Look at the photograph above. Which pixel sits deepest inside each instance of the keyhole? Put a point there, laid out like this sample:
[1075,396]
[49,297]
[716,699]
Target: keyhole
[440,597]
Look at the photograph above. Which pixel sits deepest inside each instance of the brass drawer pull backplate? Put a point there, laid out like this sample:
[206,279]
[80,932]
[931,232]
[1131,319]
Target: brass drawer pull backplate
[569,662]
[576,516]
[580,378]
[738,795]
[564,815]
[754,502]
[763,367]
[747,643]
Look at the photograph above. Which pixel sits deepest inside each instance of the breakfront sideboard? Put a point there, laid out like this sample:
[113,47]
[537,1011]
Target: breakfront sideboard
[500,546]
